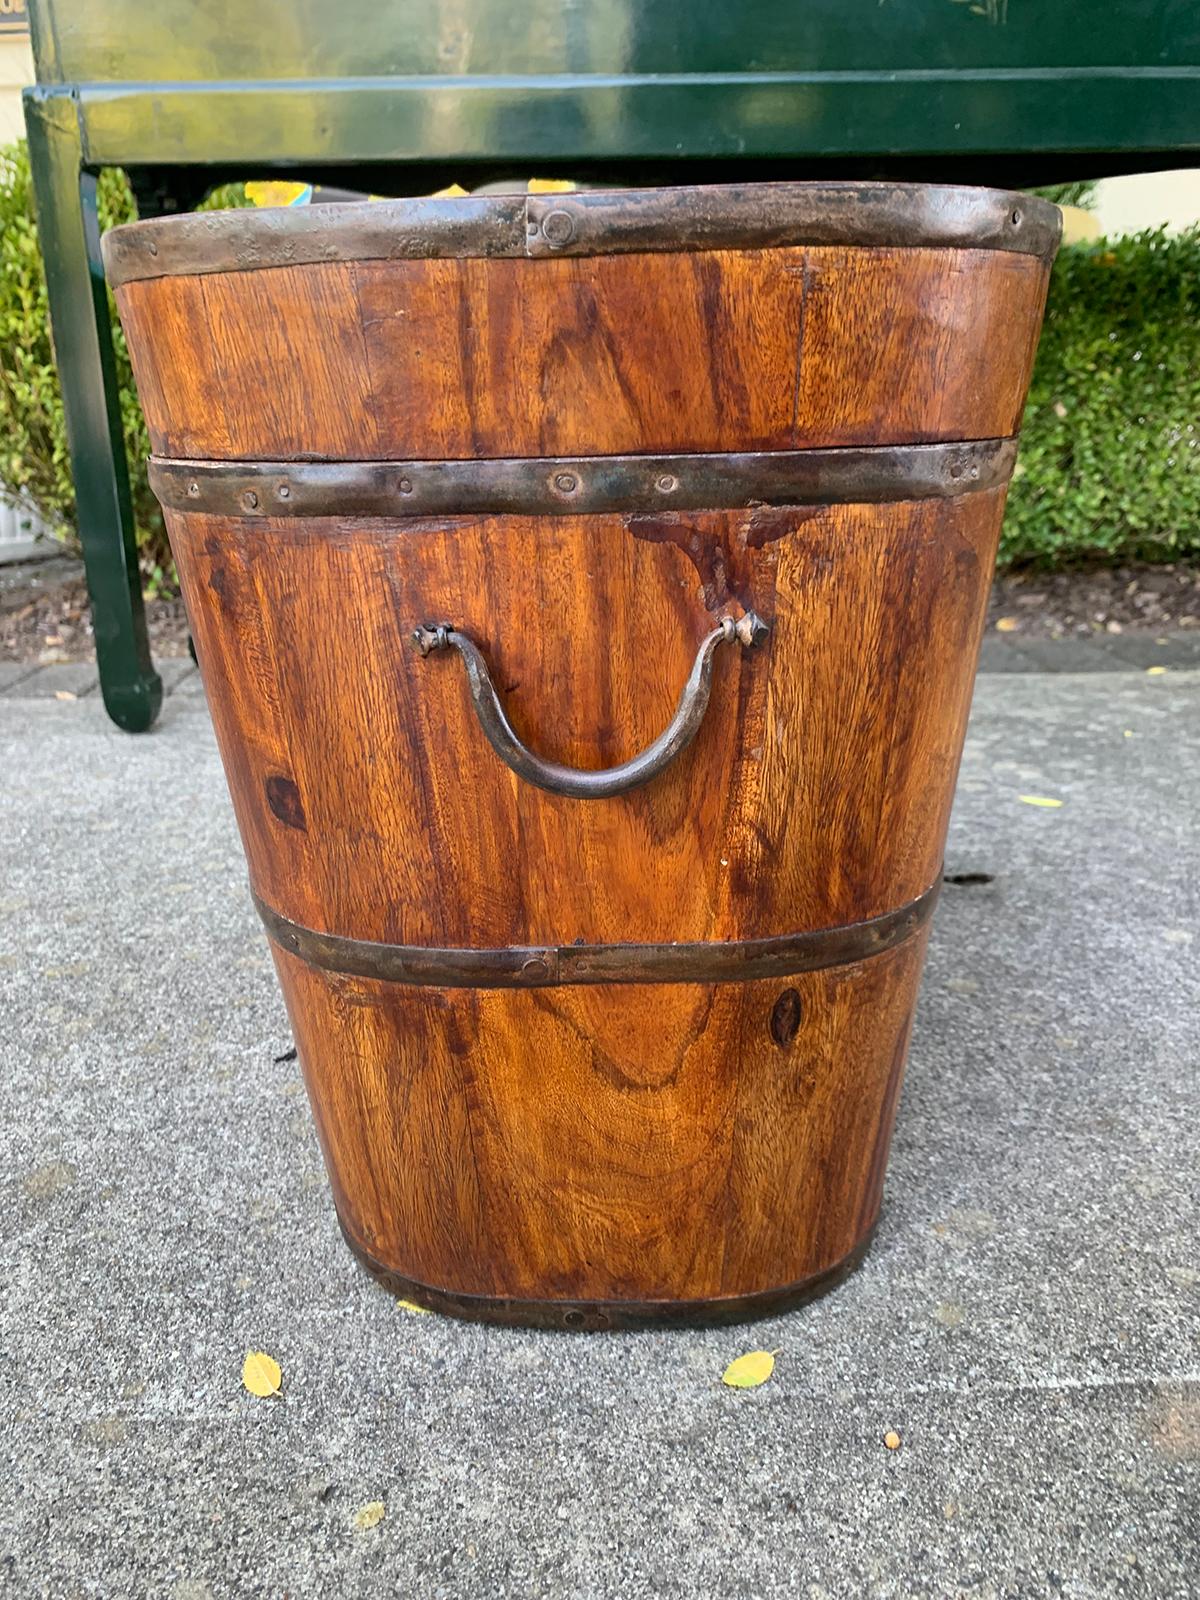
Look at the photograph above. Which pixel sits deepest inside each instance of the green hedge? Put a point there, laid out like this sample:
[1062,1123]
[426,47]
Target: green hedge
[33,442]
[33,438]
[1108,465]
[1081,193]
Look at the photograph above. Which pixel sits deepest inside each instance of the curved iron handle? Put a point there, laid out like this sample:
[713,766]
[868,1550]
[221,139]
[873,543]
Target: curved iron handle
[575,782]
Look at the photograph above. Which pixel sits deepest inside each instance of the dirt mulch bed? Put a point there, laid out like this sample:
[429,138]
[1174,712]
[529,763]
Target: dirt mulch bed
[44,614]
[45,618]
[1059,605]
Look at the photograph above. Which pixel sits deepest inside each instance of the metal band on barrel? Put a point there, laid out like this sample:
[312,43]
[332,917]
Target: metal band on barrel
[594,1316]
[583,484]
[745,216]
[544,967]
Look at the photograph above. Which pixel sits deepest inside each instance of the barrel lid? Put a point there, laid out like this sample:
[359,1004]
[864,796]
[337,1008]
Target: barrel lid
[748,216]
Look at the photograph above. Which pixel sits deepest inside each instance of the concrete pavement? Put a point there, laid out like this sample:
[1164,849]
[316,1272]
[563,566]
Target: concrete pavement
[1027,1320]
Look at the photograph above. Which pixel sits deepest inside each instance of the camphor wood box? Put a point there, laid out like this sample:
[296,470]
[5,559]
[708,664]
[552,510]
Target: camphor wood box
[587,590]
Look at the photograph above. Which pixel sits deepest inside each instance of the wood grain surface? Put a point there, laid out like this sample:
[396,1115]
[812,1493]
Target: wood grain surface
[712,351]
[619,1142]
[816,793]
[634,1143]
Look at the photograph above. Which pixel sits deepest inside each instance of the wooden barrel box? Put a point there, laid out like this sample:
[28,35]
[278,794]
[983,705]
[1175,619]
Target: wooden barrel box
[587,590]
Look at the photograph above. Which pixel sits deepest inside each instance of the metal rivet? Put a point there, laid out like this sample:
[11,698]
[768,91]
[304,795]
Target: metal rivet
[956,469]
[974,472]
[152,247]
[535,967]
[194,489]
[666,484]
[751,630]
[405,485]
[566,482]
[250,500]
[1015,219]
[573,1319]
[558,228]
[283,492]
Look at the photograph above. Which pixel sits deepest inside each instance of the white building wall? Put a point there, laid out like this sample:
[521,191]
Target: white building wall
[1148,200]
[16,70]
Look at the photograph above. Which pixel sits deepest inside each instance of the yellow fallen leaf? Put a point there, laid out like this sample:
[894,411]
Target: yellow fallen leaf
[370,1515]
[452,191]
[748,1371]
[550,186]
[1128,733]
[411,1305]
[261,1374]
[1039,800]
[65,694]
[1155,672]
[1007,624]
[892,1440]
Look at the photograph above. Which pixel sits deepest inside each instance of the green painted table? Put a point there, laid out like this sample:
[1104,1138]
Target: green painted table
[184,96]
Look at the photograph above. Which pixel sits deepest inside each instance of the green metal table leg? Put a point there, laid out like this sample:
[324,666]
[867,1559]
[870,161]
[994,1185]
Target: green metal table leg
[70,237]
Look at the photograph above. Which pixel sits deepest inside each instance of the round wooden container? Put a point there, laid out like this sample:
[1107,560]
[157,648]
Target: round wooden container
[587,590]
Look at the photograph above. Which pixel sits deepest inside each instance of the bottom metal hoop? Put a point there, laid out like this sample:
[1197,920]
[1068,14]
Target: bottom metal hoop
[605,1316]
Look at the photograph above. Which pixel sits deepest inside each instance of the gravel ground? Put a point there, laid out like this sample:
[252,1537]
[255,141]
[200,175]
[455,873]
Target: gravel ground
[1027,1321]
[1107,600]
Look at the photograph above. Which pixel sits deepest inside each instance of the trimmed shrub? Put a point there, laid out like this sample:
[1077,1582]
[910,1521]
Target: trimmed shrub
[33,434]
[1081,193]
[1109,468]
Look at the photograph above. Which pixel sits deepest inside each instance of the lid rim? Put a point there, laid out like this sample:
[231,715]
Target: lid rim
[585,223]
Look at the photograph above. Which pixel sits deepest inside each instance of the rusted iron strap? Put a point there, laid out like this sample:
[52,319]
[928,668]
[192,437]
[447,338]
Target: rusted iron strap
[543,967]
[583,484]
[596,1316]
[743,216]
